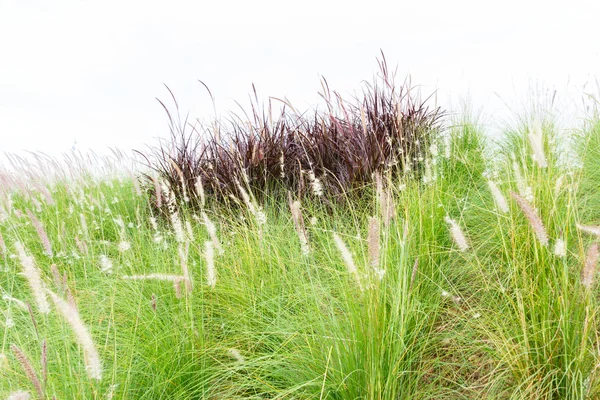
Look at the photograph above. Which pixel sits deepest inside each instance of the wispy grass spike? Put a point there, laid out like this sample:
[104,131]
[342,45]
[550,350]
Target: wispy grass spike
[534,220]
[589,269]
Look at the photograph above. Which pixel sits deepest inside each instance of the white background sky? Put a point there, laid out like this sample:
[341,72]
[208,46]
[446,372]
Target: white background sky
[89,71]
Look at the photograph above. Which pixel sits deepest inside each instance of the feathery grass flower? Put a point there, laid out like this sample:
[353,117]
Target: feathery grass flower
[534,220]
[70,314]
[33,276]
[594,230]
[373,242]
[19,395]
[536,140]
[212,232]
[347,257]
[499,198]
[589,269]
[236,355]
[41,233]
[457,234]
[211,273]
[296,211]
[560,248]
[28,368]
[106,264]
[183,257]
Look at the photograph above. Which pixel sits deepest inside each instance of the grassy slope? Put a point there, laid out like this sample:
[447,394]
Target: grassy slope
[505,319]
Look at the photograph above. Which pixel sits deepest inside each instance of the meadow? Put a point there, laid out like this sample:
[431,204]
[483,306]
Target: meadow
[447,265]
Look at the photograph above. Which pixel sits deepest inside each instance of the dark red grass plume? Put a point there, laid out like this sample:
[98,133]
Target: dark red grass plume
[389,129]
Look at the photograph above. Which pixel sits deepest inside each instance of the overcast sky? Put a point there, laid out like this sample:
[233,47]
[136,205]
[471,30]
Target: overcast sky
[86,74]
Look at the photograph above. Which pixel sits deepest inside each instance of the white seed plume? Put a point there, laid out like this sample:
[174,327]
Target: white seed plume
[212,232]
[200,191]
[560,248]
[19,395]
[84,226]
[534,220]
[457,234]
[373,242]
[153,223]
[347,257]
[499,198]
[92,360]
[259,216]
[183,256]
[315,184]
[594,230]
[536,140]
[106,264]
[41,233]
[32,274]
[211,273]
[522,188]
[177,227]
[235,354]
[589,270]
[190,231]
[296,210]
[157,191]
[558,185]
[124,246]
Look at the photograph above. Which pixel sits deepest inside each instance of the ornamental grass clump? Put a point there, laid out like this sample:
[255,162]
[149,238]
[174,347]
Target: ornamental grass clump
[319,154]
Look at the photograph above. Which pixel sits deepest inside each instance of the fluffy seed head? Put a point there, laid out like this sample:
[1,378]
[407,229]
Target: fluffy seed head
[534,220]
[200,191]
[501,203]
[560,248]
[19,395]
[211,273]
[296,211]
[41,233]
[589,270]
[457,234]
[594,230]
[347,257]
[236,355]
[93,364]
[373,242]
[536,140]
[28,368]
[212,232]
[32,274]
[183,256]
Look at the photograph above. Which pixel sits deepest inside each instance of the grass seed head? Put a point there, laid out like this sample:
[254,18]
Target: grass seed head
[28,368]
[534,220]
[33,276]
[211,273]
[589,269]
[93,364]
[457,234]
[347,257]
[499,198]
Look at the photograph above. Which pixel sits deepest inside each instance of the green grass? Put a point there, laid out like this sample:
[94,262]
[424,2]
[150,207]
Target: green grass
[505,319]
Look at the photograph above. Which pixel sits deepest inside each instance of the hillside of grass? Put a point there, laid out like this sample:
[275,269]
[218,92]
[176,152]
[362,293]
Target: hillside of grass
[467,270]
